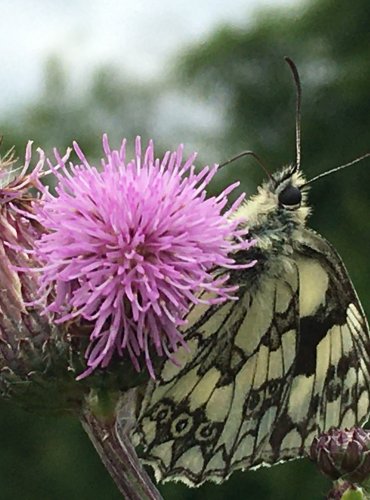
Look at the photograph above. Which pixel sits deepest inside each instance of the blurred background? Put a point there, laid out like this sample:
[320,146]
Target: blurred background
[209,74]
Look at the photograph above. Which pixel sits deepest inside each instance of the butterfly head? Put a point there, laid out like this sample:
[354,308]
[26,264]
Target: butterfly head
[289,190]
[277,210]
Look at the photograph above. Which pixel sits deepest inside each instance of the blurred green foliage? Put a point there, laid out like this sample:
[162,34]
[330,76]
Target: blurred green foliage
[241,75]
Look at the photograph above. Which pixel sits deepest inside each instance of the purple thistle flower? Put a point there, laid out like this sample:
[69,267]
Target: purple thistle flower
[131,246]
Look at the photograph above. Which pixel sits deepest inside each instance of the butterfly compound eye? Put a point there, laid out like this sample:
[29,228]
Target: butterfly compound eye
[291,196]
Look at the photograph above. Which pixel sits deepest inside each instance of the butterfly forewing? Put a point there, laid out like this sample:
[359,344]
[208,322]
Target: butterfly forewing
[330,385]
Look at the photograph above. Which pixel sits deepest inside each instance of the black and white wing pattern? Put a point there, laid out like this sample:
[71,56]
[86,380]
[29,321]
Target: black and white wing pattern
[331,377]
[263,375]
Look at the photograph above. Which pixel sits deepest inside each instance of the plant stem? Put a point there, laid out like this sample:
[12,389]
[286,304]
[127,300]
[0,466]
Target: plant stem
[118,455]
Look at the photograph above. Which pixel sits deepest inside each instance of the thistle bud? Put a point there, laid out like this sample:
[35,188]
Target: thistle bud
[343,454]
[33,352]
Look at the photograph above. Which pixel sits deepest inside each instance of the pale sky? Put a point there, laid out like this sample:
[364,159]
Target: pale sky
[138,36]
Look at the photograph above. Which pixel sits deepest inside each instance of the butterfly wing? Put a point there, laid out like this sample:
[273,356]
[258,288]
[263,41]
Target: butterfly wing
[264,374]
[214,413]
[331,376]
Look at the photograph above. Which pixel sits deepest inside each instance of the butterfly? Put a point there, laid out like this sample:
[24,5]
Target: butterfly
[264,374]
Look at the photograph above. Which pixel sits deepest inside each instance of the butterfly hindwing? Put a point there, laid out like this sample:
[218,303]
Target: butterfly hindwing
[215,413]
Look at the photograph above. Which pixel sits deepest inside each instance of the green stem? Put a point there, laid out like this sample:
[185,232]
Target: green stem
[118,455]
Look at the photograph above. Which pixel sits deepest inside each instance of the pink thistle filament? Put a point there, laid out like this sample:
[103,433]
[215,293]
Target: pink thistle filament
[131,246]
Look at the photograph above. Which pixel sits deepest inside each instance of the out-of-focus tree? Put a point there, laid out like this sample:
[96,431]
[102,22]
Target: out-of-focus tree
[109,103]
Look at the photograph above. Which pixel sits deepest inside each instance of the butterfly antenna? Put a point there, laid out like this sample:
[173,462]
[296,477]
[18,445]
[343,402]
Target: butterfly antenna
[255,156]
[336,169]
[297,81]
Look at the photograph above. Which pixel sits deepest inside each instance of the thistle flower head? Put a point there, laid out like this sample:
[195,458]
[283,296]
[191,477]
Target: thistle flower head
[343,454]
[129,247]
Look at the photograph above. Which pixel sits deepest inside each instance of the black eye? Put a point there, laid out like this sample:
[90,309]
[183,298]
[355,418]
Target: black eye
[290,196]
